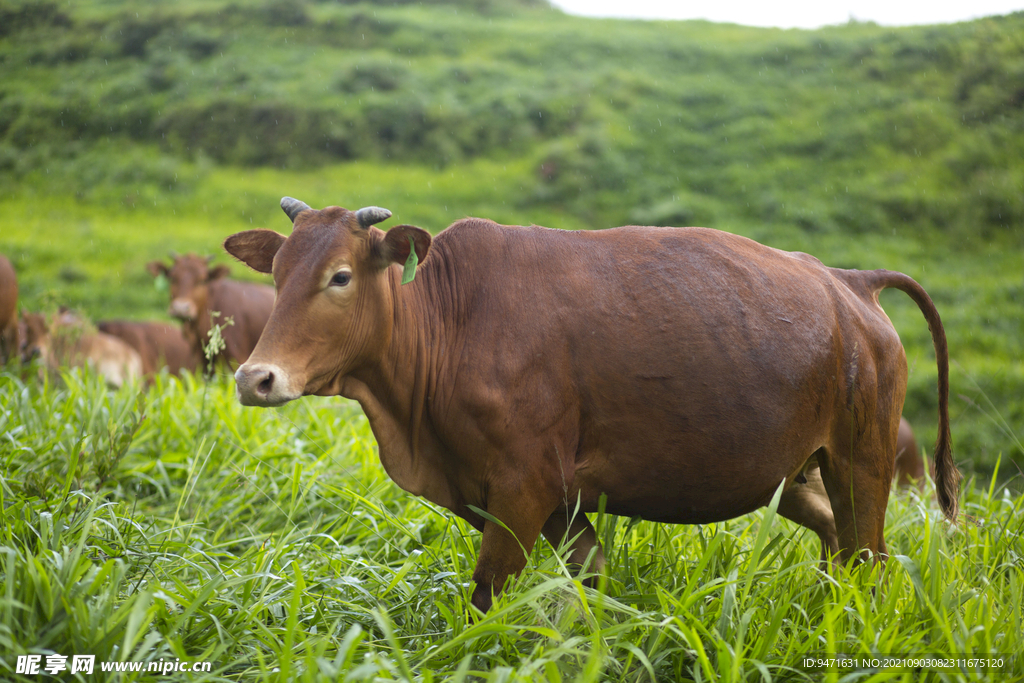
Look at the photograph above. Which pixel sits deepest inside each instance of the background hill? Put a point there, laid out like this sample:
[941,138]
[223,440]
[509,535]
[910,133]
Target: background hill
[131,128]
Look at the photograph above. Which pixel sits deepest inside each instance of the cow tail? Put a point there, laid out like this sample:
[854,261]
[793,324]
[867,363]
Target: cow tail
[947,476]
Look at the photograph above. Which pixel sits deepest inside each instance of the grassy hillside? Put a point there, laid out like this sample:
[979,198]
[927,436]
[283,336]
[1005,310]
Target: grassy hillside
[131,128]
[856,128]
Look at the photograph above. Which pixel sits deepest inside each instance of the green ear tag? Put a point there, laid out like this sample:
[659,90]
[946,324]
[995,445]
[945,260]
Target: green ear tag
[160,282]
[409,272]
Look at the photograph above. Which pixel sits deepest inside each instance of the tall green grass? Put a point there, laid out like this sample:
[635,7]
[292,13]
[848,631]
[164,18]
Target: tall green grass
[171,523]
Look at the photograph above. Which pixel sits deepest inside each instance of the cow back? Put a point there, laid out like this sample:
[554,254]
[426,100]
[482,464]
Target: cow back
[158,344]
[116,361]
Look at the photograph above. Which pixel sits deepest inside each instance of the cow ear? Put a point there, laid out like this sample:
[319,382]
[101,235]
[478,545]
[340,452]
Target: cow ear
[218,271]
[395,245]
[157,268]
[255,248]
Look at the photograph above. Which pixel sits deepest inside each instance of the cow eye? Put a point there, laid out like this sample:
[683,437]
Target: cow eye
[341,279]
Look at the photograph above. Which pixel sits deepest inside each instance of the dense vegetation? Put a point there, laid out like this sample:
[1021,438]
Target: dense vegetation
[271,540]
[856,128]
[178,525]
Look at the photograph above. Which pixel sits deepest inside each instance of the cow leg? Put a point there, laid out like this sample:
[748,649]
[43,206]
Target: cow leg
[808,505]
[581,535]
[501,554]
[857,479]
[859,498]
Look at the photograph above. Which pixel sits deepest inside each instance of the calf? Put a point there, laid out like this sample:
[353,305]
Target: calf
[198,290]
[9,343]
[160,345]
[66,341]
[683,374]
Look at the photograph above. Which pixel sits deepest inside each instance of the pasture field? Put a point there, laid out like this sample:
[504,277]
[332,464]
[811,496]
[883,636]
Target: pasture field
[168,524]
[171,524]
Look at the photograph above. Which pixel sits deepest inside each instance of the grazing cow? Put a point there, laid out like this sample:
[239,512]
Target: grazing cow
[66,340]
[684,374]
[197,290]
[9,343]
[160,345]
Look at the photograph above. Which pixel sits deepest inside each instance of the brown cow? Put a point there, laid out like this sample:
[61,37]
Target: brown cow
[65,340]
[160,345]
[9,343]
[683,373]
[197,290]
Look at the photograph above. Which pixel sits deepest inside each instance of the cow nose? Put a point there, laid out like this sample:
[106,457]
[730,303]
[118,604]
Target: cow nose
[183,309]
[262,384]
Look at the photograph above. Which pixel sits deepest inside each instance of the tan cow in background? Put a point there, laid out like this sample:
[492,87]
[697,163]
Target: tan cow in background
[66,340]
[681,374]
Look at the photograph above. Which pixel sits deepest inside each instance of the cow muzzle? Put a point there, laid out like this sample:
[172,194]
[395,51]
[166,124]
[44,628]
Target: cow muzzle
[182,309]
[31,353]
[264,384]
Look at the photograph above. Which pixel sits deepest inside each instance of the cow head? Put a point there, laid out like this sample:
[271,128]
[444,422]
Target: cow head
[190,277]
[34,331]
[333,311]
[49,338]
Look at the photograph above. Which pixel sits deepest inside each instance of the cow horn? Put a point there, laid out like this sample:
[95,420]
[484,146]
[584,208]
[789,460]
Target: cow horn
[293,207]
[371,215]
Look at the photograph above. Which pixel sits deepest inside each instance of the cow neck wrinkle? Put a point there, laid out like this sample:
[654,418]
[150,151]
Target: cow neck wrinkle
[395,393]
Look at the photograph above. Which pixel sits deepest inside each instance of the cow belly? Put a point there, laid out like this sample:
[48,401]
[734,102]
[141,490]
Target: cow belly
[699,460]
[683,488]
[696,400]
[702,428]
